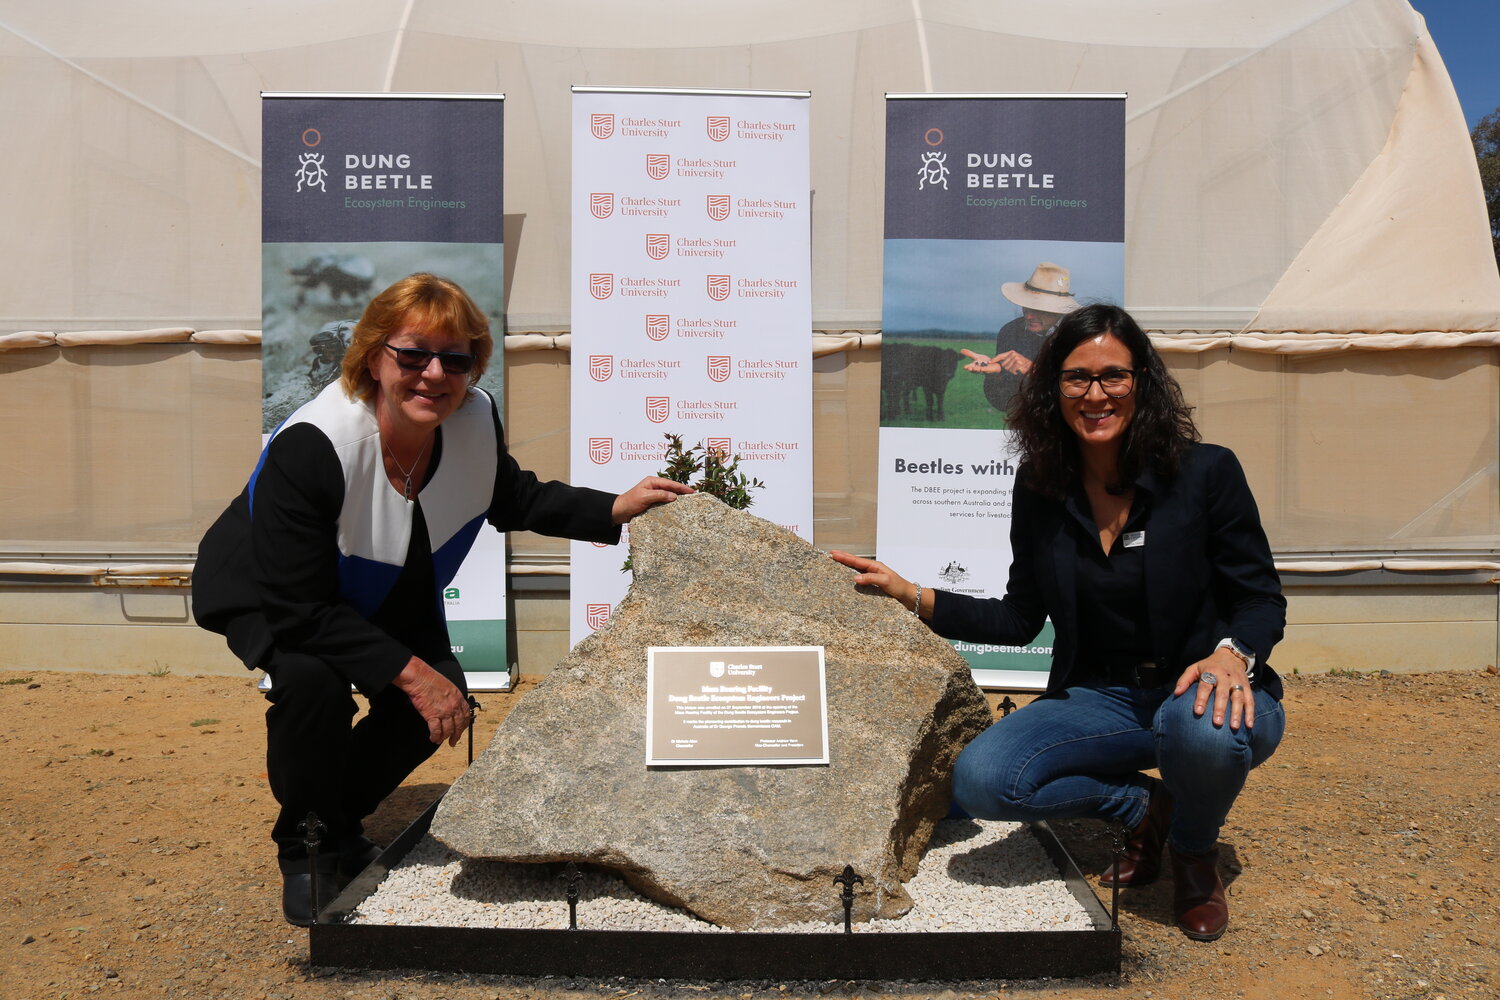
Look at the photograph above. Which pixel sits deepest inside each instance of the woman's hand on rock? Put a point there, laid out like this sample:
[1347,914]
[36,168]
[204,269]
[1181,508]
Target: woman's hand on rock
[873,573]
[646,494]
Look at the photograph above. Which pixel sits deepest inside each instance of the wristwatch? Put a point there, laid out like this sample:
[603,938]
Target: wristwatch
[1241,650]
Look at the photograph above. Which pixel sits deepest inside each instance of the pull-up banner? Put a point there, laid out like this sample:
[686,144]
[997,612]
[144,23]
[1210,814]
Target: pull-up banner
[358,191]
[691,311]
[1001,215]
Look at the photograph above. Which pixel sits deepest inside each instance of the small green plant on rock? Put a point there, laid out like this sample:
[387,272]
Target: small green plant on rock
[718,473]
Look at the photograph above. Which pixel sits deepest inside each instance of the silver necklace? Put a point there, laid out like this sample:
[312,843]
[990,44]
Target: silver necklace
[406,473]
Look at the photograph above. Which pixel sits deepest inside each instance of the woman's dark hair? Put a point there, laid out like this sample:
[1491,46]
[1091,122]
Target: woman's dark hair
[1157,436]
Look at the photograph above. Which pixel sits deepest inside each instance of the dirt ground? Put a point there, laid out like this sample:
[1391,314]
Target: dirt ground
[1362,857]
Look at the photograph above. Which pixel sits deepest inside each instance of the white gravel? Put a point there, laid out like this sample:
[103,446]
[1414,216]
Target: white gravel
[976,876]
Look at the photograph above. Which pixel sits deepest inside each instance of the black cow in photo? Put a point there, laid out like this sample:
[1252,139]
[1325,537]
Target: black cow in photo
[905,368]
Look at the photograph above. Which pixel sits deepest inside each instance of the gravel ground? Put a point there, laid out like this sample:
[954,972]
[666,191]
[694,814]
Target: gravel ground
[975,877]
[1360,859]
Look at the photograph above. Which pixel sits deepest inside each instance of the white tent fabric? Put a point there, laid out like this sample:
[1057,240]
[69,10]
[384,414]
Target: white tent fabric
[1287,161]
[1304,226]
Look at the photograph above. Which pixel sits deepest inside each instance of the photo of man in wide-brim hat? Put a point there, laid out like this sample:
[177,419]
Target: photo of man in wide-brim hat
[1044,298]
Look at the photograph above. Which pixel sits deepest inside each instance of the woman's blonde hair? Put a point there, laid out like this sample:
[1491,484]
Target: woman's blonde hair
[426,302]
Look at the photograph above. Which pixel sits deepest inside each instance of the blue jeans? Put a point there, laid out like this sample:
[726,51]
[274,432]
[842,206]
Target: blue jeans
[1080,753]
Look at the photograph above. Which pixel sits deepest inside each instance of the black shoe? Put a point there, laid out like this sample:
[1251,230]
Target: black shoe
[357,855]
[297,889]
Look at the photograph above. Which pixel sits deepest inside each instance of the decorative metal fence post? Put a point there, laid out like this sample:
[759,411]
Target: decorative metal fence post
[474,710]
[1114,890]
[847,879]
[312,830]
[573,876]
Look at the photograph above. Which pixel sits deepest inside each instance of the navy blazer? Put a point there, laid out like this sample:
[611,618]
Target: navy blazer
[1208,568]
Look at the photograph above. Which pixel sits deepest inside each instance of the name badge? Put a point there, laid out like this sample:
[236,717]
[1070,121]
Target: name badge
[1133,539]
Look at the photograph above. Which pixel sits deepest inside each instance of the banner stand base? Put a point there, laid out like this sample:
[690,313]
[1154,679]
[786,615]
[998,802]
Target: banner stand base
[1011,680]
[491,680]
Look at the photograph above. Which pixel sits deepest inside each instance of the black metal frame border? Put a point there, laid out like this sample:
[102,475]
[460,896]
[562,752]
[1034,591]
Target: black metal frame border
[920,956]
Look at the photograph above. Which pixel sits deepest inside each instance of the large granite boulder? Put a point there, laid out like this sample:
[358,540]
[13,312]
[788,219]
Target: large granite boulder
[745,847]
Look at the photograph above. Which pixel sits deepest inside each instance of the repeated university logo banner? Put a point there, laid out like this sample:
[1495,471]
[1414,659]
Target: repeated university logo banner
[1001,215]
[708,331]
[358,191]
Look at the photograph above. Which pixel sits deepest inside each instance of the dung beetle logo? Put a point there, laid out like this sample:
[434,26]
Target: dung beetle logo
[311,172]
[934,170]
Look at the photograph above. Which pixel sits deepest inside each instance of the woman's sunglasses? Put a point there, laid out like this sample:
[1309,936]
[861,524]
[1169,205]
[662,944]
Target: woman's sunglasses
[414,359]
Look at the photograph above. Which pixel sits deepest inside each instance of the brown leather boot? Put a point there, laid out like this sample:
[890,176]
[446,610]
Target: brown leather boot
[1140,863]
[1198,895]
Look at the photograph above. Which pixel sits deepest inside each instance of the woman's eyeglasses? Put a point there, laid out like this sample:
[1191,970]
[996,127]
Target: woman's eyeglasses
[1116,382]
[414,359]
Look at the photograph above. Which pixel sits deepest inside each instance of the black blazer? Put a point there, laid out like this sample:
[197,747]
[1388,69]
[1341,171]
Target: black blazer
[1208,566]
[270,582]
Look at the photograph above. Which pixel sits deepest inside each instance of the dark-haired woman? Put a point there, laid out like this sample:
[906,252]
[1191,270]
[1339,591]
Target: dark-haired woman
[328,570]
[1145,549]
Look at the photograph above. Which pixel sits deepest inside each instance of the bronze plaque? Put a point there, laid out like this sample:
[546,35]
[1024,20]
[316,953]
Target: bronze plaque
[736,705]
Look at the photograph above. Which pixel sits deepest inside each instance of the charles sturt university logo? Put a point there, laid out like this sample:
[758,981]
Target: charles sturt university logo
[718,287]
[657,245]
[718,207]
[601,286]
[596,615]
[657,165]
[601,450]
[601,367]
[719,446]
[602,204]
[603,126]
[658,326]
[718,367]
[717,127]
[658,408]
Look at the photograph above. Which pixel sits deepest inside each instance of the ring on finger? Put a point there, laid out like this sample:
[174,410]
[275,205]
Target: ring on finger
[1236,687]
[1208,677]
